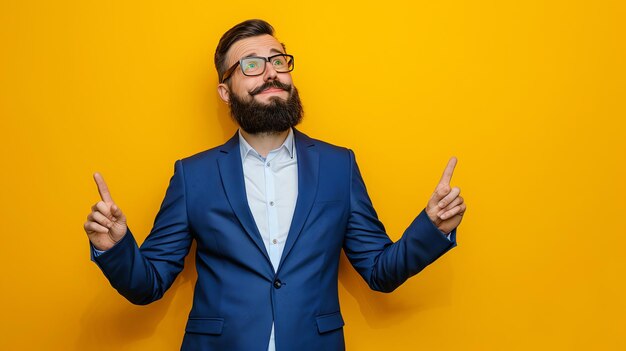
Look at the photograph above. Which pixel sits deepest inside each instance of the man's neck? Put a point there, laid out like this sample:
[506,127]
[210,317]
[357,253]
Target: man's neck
[263,143]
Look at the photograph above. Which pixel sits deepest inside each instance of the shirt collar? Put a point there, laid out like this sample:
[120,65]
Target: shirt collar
[246,148]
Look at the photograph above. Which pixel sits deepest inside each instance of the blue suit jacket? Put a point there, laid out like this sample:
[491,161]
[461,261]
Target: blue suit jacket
[238,294]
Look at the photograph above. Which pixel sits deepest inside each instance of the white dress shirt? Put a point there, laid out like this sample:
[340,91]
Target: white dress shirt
[272,191]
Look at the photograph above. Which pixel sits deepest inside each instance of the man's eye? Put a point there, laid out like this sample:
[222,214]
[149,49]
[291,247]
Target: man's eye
[251,65]
[278,62]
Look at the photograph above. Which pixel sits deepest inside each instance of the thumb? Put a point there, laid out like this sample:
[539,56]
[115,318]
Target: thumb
[117,213]
[440,192]
[119,228]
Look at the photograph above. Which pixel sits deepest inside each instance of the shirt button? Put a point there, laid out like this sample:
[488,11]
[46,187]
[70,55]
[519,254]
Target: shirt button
[278,284]
[271,203]
[274,241]
[268,164]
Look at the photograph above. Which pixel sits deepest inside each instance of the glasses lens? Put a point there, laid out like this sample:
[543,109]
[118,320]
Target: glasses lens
[282,63]
[252,66]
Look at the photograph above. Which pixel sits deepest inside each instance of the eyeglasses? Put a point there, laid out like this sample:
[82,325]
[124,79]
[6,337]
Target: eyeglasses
[255,65]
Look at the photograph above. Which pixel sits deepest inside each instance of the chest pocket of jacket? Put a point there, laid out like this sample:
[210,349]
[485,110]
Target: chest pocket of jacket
[212,326]
[329,322]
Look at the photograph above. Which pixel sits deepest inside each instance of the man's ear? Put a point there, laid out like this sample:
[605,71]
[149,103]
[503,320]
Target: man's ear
[224,92]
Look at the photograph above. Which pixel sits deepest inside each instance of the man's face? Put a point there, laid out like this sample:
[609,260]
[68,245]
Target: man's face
[268,103]
[244,86]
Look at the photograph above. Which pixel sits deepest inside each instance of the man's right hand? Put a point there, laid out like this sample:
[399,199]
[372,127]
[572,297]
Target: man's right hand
[106,224]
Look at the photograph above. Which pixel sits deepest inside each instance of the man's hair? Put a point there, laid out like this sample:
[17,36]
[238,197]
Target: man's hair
[246,29]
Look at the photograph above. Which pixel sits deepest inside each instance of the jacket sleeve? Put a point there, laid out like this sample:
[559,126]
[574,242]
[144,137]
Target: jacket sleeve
[142,275]
[383,264]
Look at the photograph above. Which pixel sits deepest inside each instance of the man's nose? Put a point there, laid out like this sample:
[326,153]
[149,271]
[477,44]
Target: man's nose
[270,72]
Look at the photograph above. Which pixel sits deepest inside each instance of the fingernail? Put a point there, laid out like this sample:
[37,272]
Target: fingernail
[442,204]
[443,216]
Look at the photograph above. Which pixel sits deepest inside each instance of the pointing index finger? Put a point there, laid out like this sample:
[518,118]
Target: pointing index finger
[103,189]
[447,173]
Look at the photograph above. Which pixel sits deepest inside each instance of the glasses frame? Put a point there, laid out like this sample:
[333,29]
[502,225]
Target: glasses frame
[232,68]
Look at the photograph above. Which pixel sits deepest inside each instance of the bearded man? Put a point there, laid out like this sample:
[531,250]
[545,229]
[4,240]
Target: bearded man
[270,211]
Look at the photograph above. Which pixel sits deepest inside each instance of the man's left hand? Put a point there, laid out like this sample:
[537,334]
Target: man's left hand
[446,207]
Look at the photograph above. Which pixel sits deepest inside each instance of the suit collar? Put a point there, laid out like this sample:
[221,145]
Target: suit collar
[231,173]
[308,172]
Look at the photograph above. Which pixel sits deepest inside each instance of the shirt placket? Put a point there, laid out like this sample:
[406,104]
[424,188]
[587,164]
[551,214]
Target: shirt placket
[271,206]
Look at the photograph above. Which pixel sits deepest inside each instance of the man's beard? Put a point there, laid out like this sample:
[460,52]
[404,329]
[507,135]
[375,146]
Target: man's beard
[274,117]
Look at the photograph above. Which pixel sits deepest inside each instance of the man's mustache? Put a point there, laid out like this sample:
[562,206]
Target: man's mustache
[271,84]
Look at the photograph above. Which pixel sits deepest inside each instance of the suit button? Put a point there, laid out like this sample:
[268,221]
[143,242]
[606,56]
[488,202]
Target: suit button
[277,283]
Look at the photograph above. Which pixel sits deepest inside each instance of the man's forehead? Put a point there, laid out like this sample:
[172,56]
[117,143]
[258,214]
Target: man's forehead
[257,45]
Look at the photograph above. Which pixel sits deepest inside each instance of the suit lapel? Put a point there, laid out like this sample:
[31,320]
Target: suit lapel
[231,172]
[308,170]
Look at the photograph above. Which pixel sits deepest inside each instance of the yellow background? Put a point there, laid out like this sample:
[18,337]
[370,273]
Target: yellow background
[529,95]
